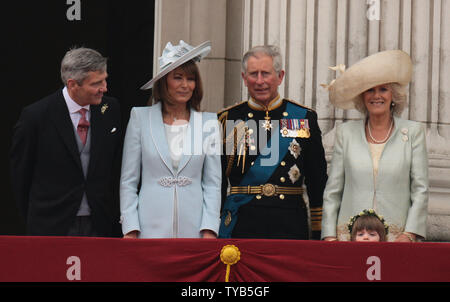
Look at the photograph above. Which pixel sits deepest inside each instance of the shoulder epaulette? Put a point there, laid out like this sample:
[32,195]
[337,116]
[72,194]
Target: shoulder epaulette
[230,107]
[298,104]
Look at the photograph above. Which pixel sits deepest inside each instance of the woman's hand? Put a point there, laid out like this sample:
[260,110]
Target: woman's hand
[208,234]
[330,239]
[131,235]
[406,237]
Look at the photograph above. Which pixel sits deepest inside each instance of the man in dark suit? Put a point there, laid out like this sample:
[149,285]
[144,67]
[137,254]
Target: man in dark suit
[272,147]
[65,154]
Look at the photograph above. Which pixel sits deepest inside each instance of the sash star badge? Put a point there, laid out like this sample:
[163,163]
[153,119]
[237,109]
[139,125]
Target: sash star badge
[295,149]
[294,173]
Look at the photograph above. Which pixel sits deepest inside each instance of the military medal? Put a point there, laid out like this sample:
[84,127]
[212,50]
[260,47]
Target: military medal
[304,128]
[285,131]
[301,133]
[294,128]
[267,124]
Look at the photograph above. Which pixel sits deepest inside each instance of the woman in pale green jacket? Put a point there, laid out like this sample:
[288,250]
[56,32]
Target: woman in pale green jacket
[379,162]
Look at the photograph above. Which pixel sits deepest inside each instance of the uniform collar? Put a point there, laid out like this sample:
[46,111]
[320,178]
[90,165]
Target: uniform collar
[273,104]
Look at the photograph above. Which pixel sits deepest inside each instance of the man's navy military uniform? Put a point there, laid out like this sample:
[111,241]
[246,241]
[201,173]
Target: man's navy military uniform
[270,153]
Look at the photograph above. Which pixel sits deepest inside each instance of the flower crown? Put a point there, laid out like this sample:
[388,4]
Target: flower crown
[369,212]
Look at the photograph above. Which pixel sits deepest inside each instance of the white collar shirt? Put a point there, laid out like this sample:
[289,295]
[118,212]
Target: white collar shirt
[74,109]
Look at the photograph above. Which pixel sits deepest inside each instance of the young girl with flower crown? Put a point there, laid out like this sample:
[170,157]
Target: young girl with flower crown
[368,226]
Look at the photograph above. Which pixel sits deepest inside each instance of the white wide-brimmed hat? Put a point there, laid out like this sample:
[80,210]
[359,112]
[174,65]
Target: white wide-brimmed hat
[175,56]
[391,66]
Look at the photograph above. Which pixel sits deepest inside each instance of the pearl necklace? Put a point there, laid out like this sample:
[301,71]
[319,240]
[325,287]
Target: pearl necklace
[387,136]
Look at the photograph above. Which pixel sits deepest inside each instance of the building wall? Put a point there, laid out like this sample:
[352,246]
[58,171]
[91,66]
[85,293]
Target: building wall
[316,34]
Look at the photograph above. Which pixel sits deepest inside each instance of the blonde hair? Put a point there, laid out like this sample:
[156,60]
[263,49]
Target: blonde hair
[398,99]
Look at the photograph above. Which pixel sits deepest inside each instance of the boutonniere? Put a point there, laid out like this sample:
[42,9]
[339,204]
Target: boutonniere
[104,108]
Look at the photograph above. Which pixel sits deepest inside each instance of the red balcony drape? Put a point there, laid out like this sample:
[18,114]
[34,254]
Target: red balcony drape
[62,259]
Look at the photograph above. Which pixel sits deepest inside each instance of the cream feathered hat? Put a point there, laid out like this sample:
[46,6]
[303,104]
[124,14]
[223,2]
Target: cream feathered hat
[391,66]
[174,56]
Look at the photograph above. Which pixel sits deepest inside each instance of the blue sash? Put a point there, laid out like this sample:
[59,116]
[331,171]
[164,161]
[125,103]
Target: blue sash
[258,174]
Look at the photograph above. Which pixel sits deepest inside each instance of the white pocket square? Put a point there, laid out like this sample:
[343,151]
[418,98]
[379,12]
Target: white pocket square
[113,130]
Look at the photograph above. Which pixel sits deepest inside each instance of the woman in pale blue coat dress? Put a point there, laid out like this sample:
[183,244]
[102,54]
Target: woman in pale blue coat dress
[379,162]
[171,169]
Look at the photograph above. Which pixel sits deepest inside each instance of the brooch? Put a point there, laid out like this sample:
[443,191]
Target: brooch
[104,108]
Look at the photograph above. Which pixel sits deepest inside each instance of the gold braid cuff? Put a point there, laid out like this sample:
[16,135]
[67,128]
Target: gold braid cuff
[316,219]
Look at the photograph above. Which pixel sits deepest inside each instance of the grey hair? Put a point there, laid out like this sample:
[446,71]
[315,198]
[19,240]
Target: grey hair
[398,99]
[269,50]
[78,62]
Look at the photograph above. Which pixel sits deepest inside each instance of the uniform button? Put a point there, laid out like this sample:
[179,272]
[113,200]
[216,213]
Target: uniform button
[252,163]
[285,113]
[283,163]
[282,179]
[281,196]
[258,197]
[250,115]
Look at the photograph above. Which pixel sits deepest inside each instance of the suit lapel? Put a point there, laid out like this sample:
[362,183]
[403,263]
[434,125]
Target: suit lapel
[158,135]
[61,118]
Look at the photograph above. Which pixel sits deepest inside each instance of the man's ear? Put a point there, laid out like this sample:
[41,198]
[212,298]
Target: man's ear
[244,78]
[71,83]
[281,76]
